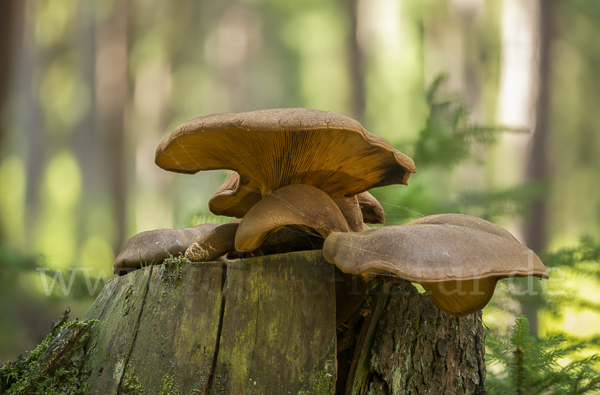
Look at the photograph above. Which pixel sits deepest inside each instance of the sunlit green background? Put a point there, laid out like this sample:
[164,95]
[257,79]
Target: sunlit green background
[88,89]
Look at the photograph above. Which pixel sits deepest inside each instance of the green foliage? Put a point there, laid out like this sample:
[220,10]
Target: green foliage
[449,135]
[450,139]
[498,203]
[581,261]
[168,386]
[12,260]
[586,250]
[131,384]
[532,367]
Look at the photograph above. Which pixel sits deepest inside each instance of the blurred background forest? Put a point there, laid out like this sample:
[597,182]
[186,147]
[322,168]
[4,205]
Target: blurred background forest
[89,88]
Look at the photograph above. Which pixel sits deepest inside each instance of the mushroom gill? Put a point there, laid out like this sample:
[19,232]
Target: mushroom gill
[278,147]
[458,259]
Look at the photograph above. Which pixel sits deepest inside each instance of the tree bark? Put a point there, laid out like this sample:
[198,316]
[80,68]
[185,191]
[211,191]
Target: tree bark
[407,345]
[6,54]
[112,90]
[355,63]
[537,169]
[263,325]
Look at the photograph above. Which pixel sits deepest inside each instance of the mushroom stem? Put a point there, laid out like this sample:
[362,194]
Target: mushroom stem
[213,244]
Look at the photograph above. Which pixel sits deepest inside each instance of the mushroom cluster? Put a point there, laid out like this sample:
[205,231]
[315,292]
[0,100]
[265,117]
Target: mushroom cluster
[300,180]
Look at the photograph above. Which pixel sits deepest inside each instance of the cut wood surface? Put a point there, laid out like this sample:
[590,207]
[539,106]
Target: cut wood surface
[262,325]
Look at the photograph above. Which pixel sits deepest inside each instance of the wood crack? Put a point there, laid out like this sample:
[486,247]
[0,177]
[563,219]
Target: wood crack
[213,366]
[137,325]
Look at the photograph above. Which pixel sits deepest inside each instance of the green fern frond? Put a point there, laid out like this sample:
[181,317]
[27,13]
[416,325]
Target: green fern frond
[531,366]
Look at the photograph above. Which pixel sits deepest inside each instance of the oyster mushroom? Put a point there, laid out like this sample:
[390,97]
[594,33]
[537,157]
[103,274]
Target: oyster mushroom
[371,209]
[273,149]
[213,244]
[236,196]
[278,147]
[458,259]
[154,246]
[351,211]
[297,204]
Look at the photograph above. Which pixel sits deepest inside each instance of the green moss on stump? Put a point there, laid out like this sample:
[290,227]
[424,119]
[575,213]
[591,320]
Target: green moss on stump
[54,367]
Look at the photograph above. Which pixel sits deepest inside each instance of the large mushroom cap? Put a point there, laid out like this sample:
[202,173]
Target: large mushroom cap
[457,258]
[280,147]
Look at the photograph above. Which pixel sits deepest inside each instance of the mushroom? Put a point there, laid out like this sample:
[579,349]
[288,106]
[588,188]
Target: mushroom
[371,209]
[458,259]
[291,168]
[351,211]
[214,243]
[236,196]
[279,147]
[288,239]
[154,246]
[297,204]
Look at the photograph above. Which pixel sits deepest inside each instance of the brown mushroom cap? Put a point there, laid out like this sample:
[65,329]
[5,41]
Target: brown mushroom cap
[154,246]
[291,205]
[457,258]
[214,243]
[235,197]
[467,221]
[351,211]
[279,147]
[371,208]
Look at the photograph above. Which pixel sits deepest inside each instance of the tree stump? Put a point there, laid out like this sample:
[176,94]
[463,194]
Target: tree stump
[263,325]
[407,345]
[257,326]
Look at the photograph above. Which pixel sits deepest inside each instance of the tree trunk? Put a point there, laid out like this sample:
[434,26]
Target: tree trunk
[111,100]
[263,325]
[407,345]
[7,15]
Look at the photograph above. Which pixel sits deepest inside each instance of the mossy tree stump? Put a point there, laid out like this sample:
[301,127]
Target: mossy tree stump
[259,325]
[262,325]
